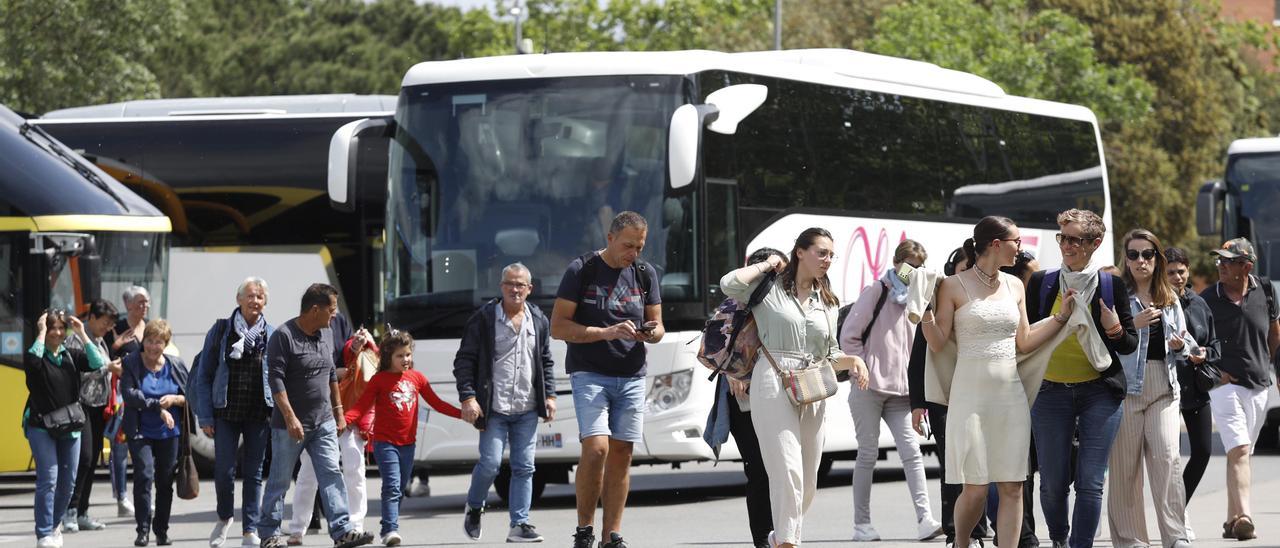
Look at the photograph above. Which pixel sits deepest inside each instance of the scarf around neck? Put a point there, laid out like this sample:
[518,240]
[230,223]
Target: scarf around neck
[897,289]
[251,337]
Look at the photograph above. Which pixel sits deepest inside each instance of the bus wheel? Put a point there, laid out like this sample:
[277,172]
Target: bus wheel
[502,483]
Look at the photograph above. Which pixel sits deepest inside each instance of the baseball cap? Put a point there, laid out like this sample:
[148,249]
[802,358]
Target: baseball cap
[1237,247]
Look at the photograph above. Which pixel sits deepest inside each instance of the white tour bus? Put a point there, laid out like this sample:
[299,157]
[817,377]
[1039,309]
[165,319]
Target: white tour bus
[524,158]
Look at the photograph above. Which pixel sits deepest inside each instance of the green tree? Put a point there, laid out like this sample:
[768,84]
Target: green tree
[59,53]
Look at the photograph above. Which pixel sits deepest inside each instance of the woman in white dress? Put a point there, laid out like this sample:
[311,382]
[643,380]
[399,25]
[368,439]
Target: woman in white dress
[989,420]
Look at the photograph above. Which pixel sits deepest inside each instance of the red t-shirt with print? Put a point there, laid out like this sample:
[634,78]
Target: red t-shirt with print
[394,399]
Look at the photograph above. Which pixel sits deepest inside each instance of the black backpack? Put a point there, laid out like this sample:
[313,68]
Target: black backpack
[866,332]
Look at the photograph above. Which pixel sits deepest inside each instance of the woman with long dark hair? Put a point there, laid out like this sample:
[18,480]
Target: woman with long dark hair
[1193,401]
[1148,432]
[989,417]
[796,321]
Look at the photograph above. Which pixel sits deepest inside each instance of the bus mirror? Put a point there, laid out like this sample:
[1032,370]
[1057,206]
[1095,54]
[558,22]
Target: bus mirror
[344,159]
[1208,204]
[685,140]
[735,103]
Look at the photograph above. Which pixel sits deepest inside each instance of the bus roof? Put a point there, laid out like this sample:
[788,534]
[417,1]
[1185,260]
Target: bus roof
[1250,146]
[344,104]
[835,67]
[46,186]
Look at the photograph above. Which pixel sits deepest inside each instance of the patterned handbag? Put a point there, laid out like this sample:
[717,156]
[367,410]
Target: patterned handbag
[814,382]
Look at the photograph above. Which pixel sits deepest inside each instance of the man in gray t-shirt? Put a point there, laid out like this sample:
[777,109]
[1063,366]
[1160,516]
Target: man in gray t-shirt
[308,415]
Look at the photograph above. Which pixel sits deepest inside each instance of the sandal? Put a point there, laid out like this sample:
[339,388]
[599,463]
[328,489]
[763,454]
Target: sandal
[1243,528]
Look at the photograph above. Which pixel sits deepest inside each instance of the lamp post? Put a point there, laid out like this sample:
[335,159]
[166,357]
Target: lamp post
[517,11]
[777,24]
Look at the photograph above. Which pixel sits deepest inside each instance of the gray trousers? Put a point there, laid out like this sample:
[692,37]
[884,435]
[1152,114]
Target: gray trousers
[869,408]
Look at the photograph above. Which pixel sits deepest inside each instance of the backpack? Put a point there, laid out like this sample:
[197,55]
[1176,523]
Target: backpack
[1105,283]
[866,332]
[591,262]
[729,338]
[1270,291]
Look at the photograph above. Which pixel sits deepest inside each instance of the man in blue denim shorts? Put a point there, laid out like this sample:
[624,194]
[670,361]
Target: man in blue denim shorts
[606,308]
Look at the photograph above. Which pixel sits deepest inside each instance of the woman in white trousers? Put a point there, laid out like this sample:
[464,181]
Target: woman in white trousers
[796,320]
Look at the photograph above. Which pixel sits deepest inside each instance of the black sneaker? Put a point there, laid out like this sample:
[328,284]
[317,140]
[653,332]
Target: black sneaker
[523,532]
[615,541]
[353,538]
[273,541]
[584,537]
[471,521]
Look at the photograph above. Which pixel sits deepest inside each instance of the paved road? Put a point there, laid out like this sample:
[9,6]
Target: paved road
[699,506]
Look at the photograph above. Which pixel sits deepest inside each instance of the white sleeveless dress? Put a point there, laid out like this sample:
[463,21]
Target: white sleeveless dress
[988,421]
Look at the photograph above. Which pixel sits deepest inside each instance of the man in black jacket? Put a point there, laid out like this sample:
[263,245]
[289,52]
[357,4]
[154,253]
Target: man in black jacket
[505,382]
[1078,399]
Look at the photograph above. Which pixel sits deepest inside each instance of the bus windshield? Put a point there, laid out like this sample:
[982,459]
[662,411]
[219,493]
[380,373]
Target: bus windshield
[485,174]
[1255,179]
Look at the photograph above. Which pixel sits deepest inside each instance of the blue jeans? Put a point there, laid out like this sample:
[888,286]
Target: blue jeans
[1090,411]
[520,432]
[56,463]
[226,437]
[608,406]
[395,464]
[154,462]
[119,468]
[321,443]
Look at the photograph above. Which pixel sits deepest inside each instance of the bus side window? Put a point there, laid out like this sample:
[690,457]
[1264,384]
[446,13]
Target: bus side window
[723,254]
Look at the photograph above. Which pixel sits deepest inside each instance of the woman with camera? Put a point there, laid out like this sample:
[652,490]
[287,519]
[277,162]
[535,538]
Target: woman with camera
[53,417]
[1149,433]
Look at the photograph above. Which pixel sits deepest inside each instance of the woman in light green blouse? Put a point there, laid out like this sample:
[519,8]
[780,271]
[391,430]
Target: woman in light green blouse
[796,319]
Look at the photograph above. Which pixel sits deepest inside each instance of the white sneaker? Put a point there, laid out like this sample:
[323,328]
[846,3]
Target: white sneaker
[47,542]
[1186,523]
[391,539]
[69,523]
[928,529]
[251,540]
[975,543]
[57,538]
[219,535]
[864,532]
[124,508]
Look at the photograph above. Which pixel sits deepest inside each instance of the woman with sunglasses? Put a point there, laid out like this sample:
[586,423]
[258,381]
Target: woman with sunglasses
[1149,430]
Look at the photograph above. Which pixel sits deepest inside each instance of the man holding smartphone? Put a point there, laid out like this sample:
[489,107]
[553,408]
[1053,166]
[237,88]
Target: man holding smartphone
[505,383]
[607,306]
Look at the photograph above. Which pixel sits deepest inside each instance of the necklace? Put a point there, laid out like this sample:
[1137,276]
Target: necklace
[988,280]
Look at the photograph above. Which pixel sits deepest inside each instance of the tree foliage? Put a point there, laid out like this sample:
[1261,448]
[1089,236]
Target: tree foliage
[56,53]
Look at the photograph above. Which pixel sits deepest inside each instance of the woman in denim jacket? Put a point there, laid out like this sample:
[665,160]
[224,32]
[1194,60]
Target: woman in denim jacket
[1149,425]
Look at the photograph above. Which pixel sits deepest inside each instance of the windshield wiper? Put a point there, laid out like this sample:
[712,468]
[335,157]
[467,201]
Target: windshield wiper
[52,146]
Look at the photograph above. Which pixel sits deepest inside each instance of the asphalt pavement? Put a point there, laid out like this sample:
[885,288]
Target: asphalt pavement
[699,505]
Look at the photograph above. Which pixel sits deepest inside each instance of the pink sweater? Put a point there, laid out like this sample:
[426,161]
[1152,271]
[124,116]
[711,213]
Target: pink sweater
[887,349]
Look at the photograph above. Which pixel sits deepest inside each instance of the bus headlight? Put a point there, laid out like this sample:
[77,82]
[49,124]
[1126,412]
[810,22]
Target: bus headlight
[670,390]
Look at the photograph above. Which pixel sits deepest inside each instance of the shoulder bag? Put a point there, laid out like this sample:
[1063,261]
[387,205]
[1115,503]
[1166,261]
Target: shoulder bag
[188,478]
[67,419]
[814,381]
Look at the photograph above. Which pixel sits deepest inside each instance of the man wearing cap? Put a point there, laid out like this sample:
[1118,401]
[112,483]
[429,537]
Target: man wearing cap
[1244,314]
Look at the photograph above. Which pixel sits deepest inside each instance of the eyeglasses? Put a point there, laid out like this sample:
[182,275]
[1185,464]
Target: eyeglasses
[826,255]
[1146,254]
[1072,241]
[1014,240]
[517,285]
[1236,261]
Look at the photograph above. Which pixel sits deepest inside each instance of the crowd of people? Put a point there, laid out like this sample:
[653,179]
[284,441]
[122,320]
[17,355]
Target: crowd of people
[1075,372]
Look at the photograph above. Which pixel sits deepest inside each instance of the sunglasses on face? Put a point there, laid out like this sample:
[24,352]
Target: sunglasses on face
[1146,254]
[1236,261]
[1073,241]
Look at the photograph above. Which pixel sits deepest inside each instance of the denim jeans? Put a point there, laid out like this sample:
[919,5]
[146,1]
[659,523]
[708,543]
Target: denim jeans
[395,464]
[226,438]
[519,432]
[1091,411]
[119,468]
[321,444]
[154,462]
[56,463]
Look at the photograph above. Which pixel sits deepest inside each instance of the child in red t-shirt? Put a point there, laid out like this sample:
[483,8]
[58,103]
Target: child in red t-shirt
[392,394]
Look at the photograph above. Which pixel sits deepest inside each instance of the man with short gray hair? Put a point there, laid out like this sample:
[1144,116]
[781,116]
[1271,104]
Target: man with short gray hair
[506,382]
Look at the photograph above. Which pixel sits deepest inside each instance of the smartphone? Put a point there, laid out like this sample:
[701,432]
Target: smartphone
[647,327]
[904,272]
